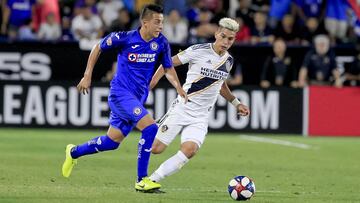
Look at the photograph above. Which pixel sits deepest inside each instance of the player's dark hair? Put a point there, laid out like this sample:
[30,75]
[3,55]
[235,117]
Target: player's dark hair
[150,9]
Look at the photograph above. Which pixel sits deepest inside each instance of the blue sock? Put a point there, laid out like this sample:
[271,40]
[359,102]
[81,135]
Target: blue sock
[101,143]
[144,150]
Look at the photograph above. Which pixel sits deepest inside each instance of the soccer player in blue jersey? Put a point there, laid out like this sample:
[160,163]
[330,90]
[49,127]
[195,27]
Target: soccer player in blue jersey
[138,52]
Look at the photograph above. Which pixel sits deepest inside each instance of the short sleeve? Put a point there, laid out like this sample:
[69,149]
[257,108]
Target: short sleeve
[186,56]
[166,56]
[113,40]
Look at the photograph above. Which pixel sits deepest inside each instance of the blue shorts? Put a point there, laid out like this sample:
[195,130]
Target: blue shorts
[126,111]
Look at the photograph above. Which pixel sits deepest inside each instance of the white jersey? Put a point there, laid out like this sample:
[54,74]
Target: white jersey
[207,72]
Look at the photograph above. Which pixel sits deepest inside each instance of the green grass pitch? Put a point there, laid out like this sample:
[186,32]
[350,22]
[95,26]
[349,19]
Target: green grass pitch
[31,159]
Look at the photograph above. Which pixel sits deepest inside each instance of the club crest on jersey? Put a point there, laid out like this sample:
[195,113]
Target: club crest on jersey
[228,65]
[137,111]
[109,41]
[154,46]
[164,128]
[132,57]
[142,141]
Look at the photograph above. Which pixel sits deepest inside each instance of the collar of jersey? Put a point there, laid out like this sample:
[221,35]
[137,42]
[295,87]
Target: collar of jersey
[213,50]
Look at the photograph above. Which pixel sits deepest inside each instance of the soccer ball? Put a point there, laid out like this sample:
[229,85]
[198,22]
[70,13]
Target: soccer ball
[241,188]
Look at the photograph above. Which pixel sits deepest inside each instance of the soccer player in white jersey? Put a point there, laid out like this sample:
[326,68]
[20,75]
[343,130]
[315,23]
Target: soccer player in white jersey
[209,67]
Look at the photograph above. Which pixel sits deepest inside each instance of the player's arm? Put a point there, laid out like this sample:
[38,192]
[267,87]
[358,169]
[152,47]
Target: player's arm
[172,77]
[114,40]
[302,76]
[5,16]
[85,82]
[335,71]
[304,70]
[160,72]
[242,109]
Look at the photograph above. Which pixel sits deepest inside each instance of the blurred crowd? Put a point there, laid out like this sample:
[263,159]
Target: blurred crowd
[187,21]
[278,23]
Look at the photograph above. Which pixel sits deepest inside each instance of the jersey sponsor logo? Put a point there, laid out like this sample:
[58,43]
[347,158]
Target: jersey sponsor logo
[214,74]
[135,46]
[143,58]
[132,57]
[109,41]
[137,111]
[154,46]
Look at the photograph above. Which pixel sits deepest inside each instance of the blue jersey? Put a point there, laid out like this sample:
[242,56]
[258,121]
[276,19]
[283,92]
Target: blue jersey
[136,64]
[336,9]
[311,8]
[279,8]
[136,60]
[20,11]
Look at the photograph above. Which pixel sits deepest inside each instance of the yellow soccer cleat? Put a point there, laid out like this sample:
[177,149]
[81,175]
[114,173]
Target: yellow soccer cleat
[69,162]
[147,185]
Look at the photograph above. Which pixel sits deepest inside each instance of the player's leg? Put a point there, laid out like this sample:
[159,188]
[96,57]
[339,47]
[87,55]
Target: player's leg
[191,139]
[107,142]
[158,147]
[165,135]
[170,125]
[176,162]
[115,134]
[148,129]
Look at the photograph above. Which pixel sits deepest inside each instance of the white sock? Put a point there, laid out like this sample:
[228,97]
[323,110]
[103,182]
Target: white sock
[170,166]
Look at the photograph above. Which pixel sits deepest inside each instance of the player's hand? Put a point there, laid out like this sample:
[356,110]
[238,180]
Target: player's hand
[243,110]
[182,93]
[338,83]
[301,83]
[84,85]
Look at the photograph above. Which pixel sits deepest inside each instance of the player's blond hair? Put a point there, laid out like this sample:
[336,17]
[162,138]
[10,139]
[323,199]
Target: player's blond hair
[229,24]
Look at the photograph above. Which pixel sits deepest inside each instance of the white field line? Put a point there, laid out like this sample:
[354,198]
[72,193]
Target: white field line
[275,141]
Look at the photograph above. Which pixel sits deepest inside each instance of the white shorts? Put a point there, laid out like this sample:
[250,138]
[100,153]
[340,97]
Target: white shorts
[176,120]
